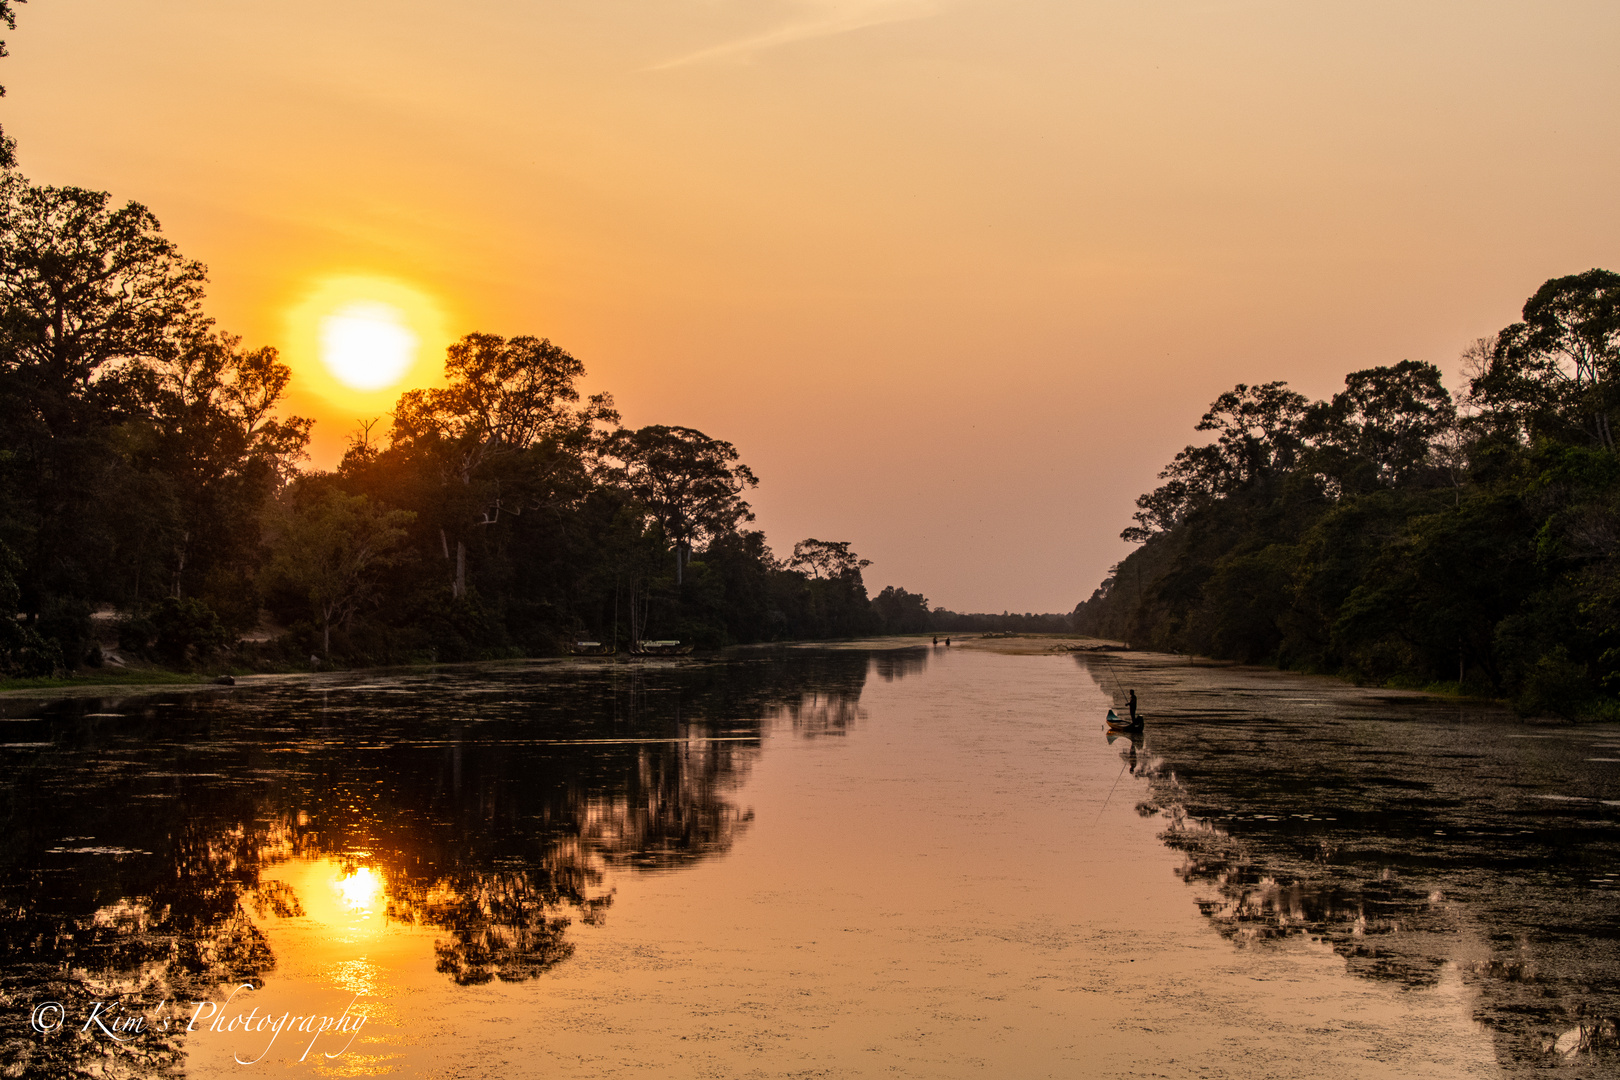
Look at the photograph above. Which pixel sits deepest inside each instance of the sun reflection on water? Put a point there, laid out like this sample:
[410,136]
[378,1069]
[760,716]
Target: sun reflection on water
[361,890]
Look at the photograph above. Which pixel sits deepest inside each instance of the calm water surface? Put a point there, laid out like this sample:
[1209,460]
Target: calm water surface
[806,862]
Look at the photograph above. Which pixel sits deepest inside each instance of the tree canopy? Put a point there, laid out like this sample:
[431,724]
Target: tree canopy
[689,484]
[1393,532]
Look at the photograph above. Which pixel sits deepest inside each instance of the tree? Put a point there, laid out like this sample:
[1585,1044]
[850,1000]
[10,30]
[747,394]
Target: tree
[508,399]
[1555,373]
[91,298]
[8,147]
[688,483]
[22,651]
[85,288]
[327,549]
[835,603]
[220,400]
[901,612]
[1380,430]
[826,558]
[213,433]
[1259,438]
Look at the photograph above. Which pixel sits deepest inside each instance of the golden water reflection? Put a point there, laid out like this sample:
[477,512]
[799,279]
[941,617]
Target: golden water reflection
[361,889]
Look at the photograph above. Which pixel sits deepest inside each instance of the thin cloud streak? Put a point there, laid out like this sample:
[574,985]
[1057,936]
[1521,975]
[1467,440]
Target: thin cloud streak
[842,18]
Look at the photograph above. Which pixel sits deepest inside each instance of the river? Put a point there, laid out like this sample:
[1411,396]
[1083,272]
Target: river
[903,860]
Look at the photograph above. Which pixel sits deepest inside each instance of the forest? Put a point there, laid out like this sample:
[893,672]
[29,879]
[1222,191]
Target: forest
[153,494]
[1401,535]
[151,490]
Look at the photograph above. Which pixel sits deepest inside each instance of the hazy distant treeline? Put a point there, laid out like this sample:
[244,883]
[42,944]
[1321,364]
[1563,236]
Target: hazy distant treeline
[1396,533]
[144,467]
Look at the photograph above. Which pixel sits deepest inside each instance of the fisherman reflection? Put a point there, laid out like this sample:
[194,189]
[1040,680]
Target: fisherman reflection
[1138,765]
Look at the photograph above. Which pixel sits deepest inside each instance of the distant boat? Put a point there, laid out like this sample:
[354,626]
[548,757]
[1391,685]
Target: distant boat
[591,648]
[660,648]
[1123,723]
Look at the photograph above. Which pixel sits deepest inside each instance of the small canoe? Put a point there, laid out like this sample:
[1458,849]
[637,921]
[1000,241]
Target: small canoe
[1122,723]
[660,648]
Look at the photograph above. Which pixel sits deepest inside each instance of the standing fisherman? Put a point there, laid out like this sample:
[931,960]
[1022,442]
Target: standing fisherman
[1133,706]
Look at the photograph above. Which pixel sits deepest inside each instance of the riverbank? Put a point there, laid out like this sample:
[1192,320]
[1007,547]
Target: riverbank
[112,680]
[104,679]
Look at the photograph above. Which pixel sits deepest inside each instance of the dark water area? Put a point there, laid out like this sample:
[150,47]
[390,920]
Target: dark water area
[487,804]
[851,861]
[1409,832]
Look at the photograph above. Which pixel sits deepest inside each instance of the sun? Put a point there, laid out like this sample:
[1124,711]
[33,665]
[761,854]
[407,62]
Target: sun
[367,345]
[357,340]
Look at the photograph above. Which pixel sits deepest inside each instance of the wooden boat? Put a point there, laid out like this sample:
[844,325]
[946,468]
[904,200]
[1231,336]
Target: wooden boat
[591,648]
[660,648]
[1124,723]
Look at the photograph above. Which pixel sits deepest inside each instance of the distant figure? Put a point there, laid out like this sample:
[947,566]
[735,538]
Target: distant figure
[947,643]
[1133,706]
[936,639]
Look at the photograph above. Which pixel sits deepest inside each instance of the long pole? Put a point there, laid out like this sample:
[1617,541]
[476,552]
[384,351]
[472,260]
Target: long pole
[1110,793]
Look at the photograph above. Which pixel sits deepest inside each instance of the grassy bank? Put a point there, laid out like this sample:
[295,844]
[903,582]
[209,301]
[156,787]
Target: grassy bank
[108,677]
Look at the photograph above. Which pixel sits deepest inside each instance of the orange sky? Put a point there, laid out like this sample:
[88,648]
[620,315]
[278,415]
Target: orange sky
[957,277]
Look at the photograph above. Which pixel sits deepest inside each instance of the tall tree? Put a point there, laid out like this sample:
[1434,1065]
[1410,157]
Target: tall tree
[88,291]
[1258,437]
[901,612]
[826,558]
[214,435]
[90,298]
[8,146]
[507,434]
[1556,373]
[690,484]
[1380,430]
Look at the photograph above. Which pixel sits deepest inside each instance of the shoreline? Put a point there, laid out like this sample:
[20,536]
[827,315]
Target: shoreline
[155,679]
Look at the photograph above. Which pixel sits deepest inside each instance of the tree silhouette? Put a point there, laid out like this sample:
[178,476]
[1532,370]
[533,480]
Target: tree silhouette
[688,483]
[487,434]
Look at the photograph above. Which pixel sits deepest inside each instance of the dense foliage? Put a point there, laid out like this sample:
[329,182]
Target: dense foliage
[1394,533]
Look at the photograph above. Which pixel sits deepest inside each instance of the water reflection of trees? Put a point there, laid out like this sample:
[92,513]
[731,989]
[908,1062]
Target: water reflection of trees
[1403,859]
[494,808]
[825,698]
[100,901]
[892,664]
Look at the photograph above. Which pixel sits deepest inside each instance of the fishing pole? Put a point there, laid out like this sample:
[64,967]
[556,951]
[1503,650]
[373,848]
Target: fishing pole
[1118,685]
[1110,793]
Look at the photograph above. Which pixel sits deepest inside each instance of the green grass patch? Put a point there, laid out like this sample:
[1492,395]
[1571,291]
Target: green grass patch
[104,677]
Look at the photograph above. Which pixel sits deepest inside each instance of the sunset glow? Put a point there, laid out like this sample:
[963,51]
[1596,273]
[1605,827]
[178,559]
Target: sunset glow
[1007,252]
[355,341]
